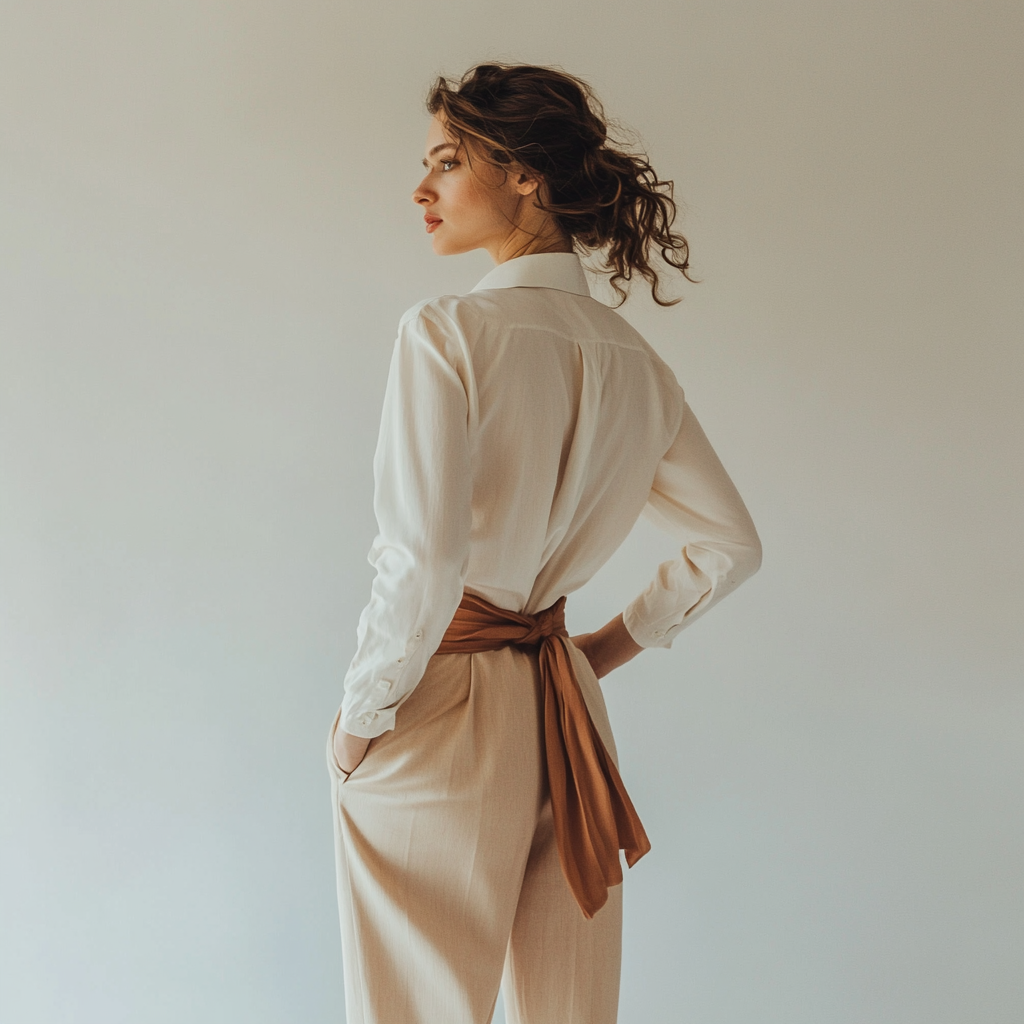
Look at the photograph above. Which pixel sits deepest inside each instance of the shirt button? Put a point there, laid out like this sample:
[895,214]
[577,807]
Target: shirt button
[400,660]
[659,632]
[419,633]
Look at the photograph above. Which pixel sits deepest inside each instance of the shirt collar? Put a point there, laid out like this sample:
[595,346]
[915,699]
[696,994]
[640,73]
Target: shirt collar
[560,270]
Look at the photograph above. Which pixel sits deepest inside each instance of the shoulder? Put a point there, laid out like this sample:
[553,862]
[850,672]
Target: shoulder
[664,372]
[614,326]
[442,332]
[450,324]
[670,397]
[456,313]
[429,323]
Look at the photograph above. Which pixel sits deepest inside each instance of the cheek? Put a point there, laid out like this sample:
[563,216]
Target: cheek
[473,203]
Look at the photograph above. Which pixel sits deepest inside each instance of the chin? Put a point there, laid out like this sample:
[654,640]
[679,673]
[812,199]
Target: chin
[449,246]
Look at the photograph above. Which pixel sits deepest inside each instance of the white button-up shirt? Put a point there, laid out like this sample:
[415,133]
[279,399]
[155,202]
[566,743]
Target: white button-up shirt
[526,427]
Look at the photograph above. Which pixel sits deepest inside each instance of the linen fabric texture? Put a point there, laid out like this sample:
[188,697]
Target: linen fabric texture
[449,880]
[526,426]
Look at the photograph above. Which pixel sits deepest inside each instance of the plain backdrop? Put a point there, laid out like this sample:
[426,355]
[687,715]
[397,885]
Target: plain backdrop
[206,241]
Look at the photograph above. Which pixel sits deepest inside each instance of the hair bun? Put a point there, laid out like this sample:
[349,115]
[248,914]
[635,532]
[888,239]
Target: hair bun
[601,197]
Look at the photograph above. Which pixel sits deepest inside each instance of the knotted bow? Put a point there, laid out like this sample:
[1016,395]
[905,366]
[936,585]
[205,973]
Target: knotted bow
[593,815]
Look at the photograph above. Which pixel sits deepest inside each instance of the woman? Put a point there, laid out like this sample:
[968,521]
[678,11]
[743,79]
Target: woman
[479,812]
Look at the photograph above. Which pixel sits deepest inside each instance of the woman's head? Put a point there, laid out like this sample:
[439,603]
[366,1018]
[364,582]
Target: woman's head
[469,203]
[519,160]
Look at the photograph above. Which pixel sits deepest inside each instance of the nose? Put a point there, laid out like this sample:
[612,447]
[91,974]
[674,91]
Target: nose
[422,194]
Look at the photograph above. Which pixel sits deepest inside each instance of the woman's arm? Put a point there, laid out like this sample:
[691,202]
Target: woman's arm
[422,498]
[693,500]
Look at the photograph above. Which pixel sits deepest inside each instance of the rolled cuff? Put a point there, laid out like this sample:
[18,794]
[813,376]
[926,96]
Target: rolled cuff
[648,634]
[368,724]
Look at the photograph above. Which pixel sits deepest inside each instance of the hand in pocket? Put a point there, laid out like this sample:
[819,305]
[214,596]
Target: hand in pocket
[349,750]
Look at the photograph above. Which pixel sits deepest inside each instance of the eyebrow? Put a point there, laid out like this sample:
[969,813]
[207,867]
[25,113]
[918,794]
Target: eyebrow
[437,149]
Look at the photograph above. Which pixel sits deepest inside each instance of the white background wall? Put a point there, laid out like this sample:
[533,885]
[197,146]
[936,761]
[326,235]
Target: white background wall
[206,242]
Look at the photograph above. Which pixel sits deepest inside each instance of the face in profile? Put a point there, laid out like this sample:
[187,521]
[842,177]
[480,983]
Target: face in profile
[467,202]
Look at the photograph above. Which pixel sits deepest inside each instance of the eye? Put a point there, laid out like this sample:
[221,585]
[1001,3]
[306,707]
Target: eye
[447,165]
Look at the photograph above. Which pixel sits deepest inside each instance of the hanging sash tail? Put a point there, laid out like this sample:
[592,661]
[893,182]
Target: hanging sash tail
[593,815]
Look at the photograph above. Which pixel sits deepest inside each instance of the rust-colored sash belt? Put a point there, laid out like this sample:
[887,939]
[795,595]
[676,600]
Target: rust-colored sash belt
[593,815]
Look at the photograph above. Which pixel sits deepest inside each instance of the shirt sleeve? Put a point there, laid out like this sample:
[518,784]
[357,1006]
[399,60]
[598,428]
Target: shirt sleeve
[422,501]
[693,499]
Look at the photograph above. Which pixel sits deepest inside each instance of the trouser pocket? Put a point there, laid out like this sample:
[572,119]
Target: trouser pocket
[332,761]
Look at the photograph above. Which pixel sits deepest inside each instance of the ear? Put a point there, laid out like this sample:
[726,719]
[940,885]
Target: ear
[526,184]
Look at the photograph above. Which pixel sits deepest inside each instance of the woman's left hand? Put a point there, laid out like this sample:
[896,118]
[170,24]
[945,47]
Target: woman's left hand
[349,750]
[608,648]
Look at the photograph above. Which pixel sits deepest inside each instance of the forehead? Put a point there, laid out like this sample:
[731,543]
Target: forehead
[437,134]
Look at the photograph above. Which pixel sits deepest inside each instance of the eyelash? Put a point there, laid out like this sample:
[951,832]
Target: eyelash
[447,163]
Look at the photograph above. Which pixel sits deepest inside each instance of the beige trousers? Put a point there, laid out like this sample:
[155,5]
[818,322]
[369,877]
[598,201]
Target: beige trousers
[448,875]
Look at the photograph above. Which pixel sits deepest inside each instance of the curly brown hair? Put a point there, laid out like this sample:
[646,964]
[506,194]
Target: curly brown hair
[550,122]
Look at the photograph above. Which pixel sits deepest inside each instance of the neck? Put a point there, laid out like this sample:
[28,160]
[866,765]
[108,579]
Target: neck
[524,243]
